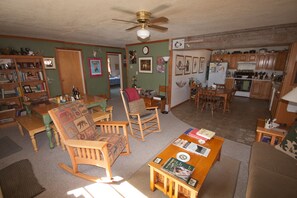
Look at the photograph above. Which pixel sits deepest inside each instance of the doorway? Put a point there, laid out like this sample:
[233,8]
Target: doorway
[69,61]
[114,66]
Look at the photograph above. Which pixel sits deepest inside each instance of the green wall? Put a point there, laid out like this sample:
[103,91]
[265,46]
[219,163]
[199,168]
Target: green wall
[148,80]
[94,86]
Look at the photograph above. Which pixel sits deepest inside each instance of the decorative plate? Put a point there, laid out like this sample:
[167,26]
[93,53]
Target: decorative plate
[182,156]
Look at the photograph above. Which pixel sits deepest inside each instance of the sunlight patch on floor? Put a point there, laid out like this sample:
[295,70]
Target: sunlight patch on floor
[122,189]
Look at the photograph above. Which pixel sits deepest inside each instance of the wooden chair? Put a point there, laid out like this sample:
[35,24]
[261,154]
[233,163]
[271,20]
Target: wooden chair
[86,145]
[208,99]
[142,120]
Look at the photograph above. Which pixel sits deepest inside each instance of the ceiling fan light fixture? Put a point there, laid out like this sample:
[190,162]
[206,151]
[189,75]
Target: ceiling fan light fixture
[143,33]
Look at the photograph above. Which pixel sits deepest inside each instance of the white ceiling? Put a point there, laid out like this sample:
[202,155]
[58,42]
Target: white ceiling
[90,21]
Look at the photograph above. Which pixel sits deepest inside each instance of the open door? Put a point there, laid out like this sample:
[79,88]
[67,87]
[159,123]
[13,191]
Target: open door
[114,65]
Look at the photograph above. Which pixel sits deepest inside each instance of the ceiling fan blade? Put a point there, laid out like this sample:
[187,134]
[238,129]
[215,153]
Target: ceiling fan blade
[159,20]
[131,28]
[159,8]
[123,10]
[158,27]
[125,21]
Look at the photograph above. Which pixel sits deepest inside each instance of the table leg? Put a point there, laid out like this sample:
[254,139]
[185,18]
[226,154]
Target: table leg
[152,179]
[47,120]
[225,103]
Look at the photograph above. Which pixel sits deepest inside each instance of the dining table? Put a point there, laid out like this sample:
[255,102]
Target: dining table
[42,110]
[224,93]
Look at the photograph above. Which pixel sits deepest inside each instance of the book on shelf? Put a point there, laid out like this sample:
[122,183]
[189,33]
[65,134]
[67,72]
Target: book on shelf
[192,147]
[178,168]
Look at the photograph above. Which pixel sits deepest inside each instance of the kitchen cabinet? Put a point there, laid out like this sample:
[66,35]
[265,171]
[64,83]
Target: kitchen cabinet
[229,83]
[281,60]
[266,61]
[233,61]
[22,78]
[220,57]
[261,89]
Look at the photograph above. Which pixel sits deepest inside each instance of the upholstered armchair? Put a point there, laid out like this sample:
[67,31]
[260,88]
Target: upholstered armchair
[89,143]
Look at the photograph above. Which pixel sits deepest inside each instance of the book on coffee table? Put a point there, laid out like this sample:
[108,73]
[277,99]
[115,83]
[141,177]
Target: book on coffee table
[178,168]
[192,147]
[205,133]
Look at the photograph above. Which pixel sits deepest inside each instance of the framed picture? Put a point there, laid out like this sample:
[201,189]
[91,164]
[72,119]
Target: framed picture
[192,182]
[201,64]
[188,65]
[160,68]
[146,65]
[132,56]
[195,65]
[95,65]
[179,65]
[27,89]
[49,63]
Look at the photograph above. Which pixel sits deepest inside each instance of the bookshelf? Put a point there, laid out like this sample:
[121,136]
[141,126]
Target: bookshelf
[22,79]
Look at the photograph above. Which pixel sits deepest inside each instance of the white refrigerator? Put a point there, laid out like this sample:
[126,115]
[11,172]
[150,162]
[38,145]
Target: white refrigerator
[217,73]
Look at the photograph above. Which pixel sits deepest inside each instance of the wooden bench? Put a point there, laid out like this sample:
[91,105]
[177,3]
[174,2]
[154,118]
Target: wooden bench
[109,109]
[33,125]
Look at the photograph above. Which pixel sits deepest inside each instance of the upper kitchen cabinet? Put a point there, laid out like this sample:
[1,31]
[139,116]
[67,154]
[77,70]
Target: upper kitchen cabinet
[266,61]
[281,60]
[220,57]
[233,62]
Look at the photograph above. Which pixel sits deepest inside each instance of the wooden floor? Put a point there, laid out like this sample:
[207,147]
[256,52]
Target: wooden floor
[238,125]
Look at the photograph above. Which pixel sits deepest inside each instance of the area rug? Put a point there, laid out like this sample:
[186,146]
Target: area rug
[220,182]
[8,147]
[18,180]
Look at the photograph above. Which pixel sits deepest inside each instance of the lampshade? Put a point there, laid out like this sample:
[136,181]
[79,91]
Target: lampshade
[166,58]
[291,96]
[143,33]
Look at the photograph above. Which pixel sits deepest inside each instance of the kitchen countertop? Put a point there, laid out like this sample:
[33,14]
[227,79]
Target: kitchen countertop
[249,79]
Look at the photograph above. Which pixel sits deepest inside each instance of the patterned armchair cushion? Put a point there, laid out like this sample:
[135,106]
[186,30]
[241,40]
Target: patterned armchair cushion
[289,143]
[76,121]
[115,144]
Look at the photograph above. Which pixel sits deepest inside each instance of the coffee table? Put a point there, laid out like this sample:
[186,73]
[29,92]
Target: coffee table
[173,186]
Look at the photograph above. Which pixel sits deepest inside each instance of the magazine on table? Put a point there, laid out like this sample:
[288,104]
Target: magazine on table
[179,169]
[192,147]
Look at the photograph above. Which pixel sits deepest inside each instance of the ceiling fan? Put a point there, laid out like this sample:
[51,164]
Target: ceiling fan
[144,20]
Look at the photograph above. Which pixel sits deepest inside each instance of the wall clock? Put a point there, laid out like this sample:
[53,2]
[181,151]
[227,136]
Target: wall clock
[145,50]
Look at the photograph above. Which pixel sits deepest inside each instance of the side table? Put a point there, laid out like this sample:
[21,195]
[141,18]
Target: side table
[275,134]
[150,102]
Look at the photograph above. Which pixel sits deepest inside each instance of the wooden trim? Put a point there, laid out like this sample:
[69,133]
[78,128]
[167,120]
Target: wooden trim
[150,42]
[59,41]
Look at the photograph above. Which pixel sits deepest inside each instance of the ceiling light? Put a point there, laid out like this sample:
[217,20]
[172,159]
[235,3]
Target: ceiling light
[143,33]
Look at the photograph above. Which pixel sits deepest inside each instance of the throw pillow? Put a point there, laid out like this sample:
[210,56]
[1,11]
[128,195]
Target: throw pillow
[289,143]
[138,106]
[132,94]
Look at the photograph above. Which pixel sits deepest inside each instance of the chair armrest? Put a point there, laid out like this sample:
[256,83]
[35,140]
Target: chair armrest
[150,108]
[85,144]
[122,123]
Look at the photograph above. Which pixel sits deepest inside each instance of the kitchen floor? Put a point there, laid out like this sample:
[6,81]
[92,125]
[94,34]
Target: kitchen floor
[239,124]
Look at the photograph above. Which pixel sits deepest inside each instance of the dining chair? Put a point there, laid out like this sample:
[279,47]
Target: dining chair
[208,99]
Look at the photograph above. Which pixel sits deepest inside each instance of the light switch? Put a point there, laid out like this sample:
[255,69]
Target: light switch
[136,72]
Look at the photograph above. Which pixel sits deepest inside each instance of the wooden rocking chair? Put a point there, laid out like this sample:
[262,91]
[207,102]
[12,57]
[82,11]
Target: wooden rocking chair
[142,120]
[86,145]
